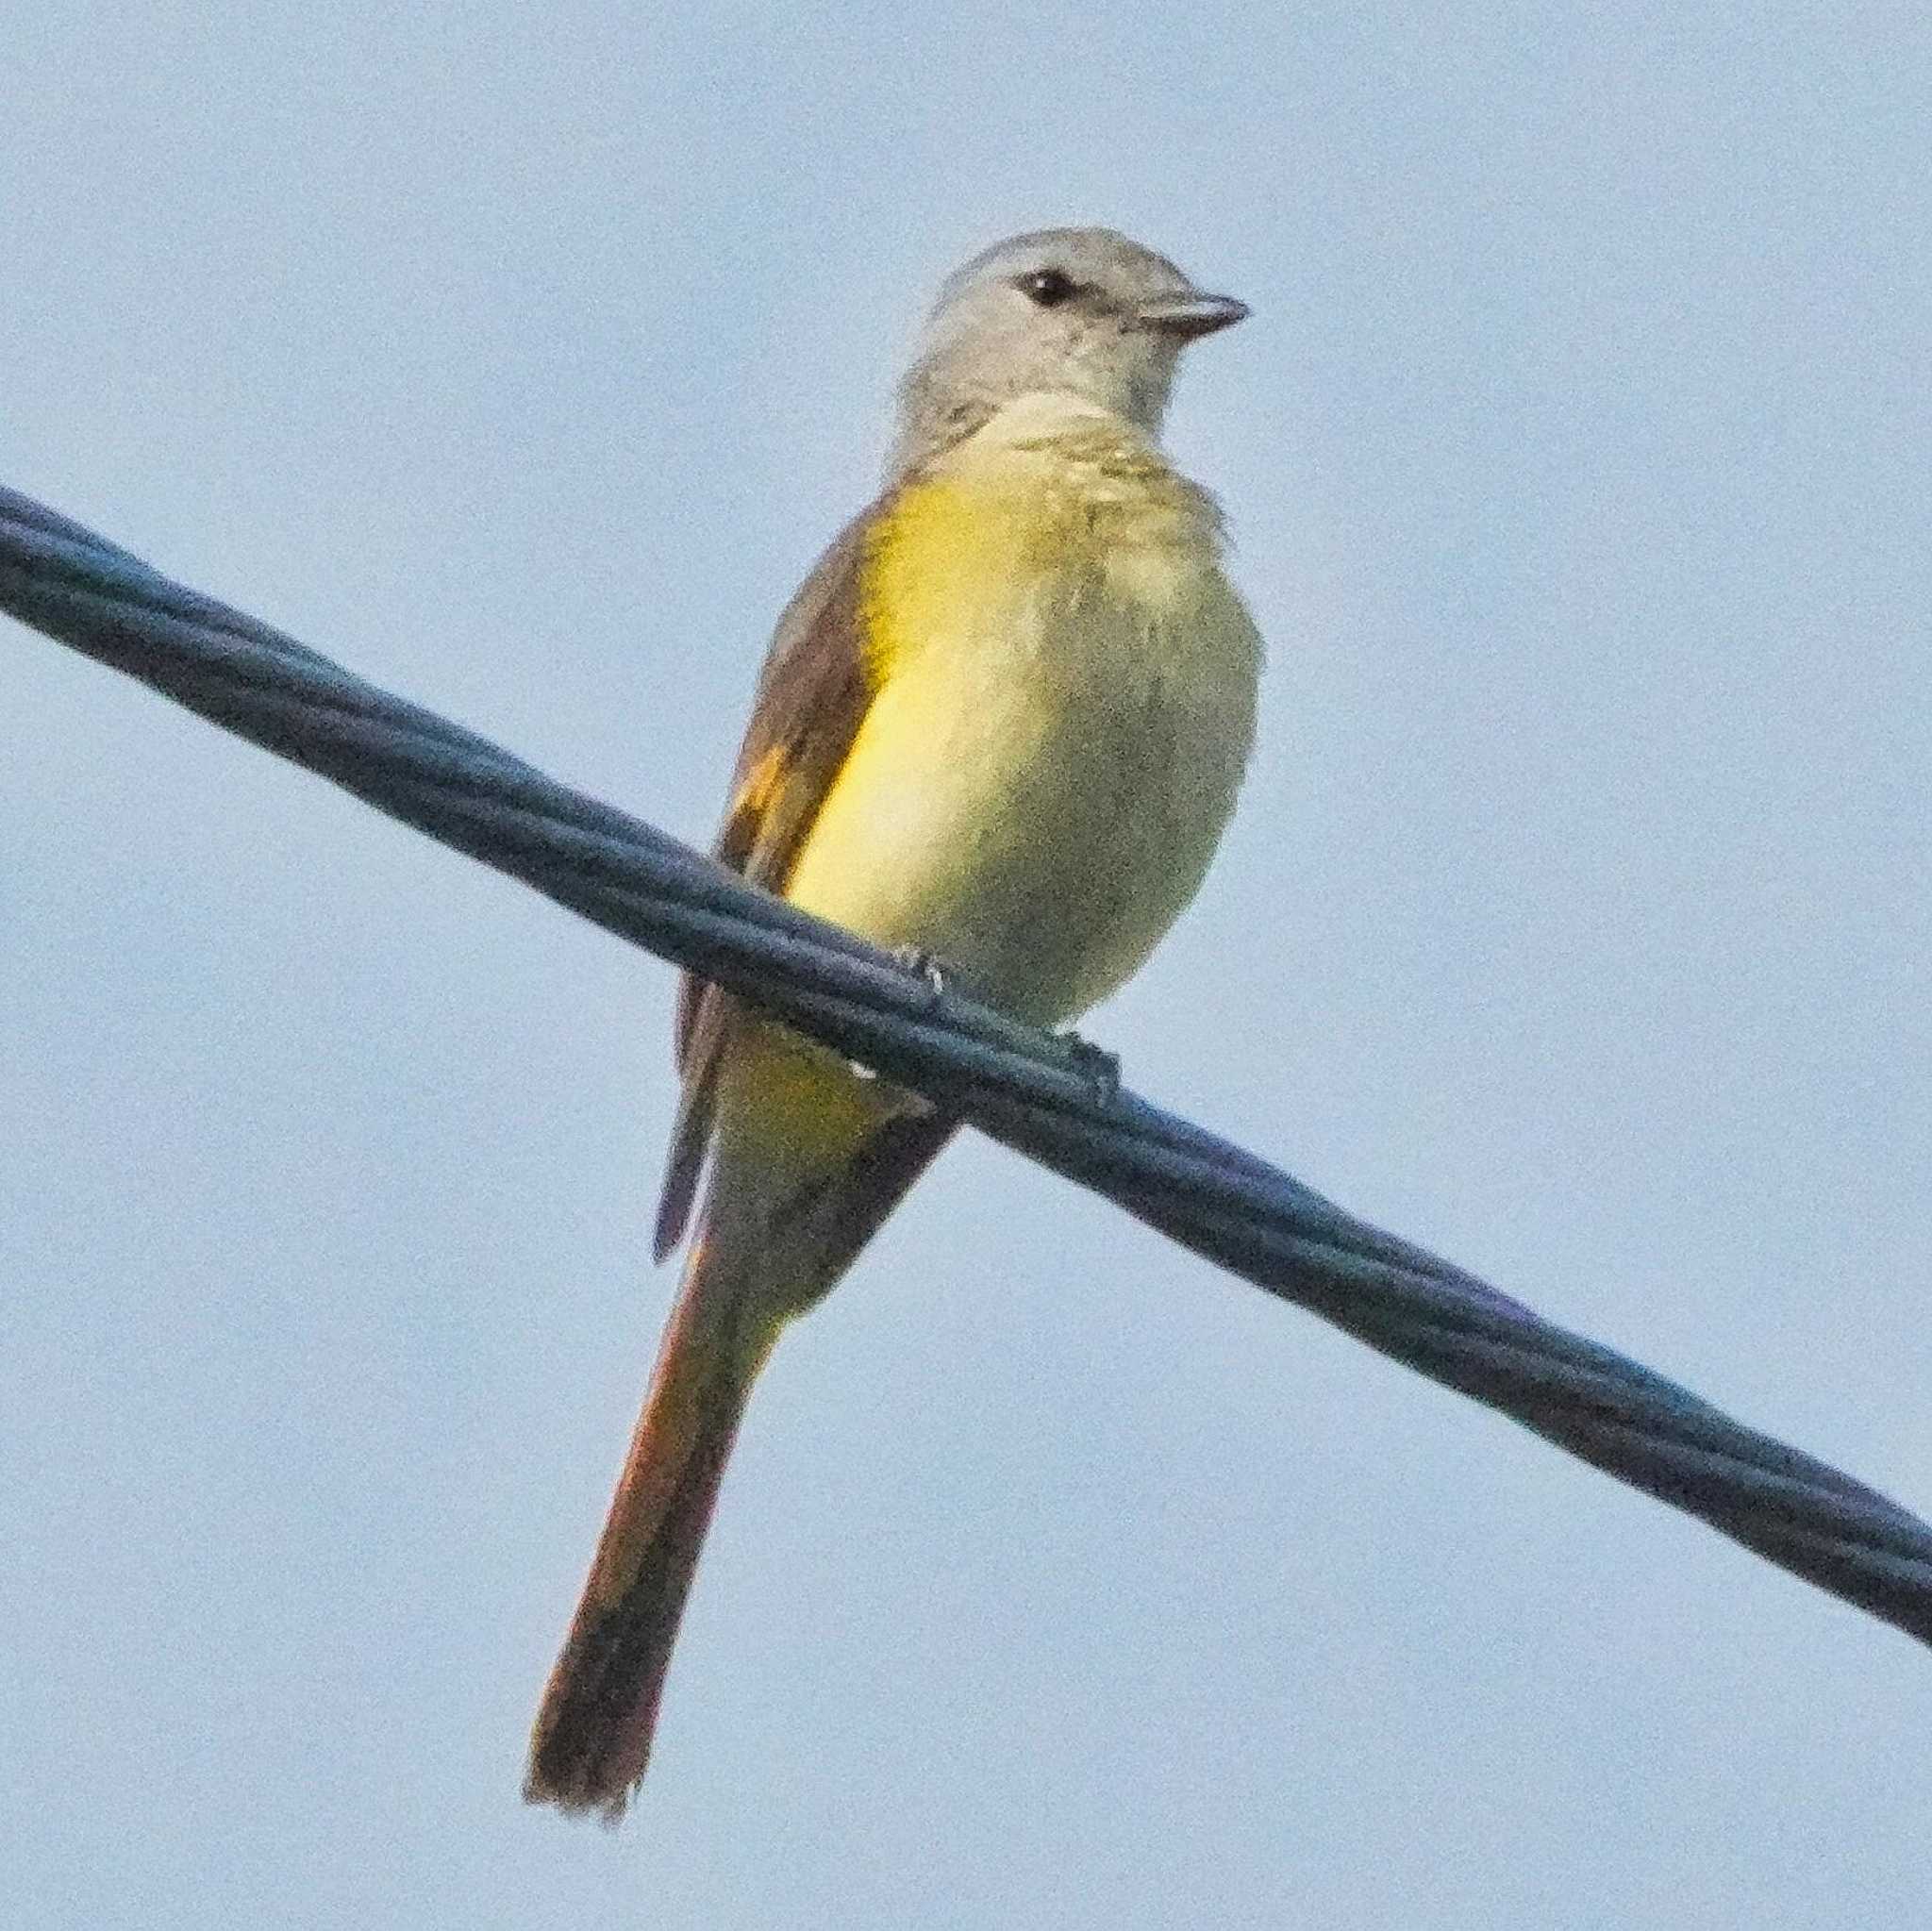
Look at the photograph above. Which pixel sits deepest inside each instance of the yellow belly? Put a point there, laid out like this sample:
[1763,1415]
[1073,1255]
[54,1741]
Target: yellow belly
[1066,702]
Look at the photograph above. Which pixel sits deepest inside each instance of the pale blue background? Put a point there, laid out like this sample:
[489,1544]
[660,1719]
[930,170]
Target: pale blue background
[1575,921]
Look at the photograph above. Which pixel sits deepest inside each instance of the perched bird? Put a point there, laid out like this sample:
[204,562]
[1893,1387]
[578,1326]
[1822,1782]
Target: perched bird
[1002,724]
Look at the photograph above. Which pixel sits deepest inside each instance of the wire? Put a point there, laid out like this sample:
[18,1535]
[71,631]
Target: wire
[1045,1096]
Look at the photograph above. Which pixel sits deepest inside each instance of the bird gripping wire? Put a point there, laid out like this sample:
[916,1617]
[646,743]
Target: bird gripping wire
[1032,1092]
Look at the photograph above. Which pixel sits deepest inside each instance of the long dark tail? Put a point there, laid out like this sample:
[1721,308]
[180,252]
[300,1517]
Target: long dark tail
[767,1247]
[592,1734]
[785,1215]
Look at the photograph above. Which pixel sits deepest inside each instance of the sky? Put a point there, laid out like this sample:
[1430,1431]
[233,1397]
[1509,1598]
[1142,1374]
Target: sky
[1575,922]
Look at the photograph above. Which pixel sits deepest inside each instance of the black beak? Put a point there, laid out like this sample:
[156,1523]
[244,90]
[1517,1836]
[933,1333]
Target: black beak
[1188,317]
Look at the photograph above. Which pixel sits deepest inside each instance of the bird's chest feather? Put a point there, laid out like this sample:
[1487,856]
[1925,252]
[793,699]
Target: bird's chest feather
[1064,702]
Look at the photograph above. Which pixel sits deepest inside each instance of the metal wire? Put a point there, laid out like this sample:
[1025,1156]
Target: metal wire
[1039,1095]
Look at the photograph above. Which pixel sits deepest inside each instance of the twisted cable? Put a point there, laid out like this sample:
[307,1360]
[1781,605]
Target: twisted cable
[1044,1096]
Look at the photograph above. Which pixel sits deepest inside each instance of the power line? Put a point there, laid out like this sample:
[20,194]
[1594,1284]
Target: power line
[1039,1095]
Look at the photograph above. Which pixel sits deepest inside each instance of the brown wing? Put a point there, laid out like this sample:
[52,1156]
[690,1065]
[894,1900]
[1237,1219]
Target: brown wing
[812,692]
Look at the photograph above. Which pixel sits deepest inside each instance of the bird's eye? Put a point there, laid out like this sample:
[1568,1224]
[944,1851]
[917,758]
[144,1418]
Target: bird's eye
[1047,288]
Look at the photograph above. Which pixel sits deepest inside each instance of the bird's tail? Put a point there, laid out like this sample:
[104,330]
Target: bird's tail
[807,1160]
[592,1733]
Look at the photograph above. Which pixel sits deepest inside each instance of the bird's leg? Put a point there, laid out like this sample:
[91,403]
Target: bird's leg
[1095,1064]
[925,965]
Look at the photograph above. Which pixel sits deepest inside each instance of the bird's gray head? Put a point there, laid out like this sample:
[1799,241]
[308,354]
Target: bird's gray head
[1065,311]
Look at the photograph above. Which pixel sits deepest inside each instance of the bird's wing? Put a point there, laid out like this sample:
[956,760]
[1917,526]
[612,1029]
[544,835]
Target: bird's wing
[812,695]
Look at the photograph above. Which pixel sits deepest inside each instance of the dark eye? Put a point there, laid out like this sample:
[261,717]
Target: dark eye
[1047,287]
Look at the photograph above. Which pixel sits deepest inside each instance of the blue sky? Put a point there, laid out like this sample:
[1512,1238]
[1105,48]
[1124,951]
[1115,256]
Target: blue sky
[1575,922]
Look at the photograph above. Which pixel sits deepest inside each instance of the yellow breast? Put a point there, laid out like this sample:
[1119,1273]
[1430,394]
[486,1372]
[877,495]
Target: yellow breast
[1064,702]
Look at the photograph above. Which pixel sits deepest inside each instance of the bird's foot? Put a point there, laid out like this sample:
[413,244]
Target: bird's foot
[925,965]
[1096,1065]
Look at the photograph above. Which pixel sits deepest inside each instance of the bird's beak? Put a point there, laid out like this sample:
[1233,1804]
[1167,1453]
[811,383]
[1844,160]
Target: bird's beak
[1188,317]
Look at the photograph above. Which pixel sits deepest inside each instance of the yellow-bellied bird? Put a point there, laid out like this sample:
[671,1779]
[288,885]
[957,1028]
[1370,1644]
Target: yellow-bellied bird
[1002,724]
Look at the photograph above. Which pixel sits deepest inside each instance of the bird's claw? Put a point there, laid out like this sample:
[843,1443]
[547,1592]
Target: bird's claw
[925,965]
[1096,1065]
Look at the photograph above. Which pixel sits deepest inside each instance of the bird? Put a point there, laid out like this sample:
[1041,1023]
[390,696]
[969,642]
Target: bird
[1000,729]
